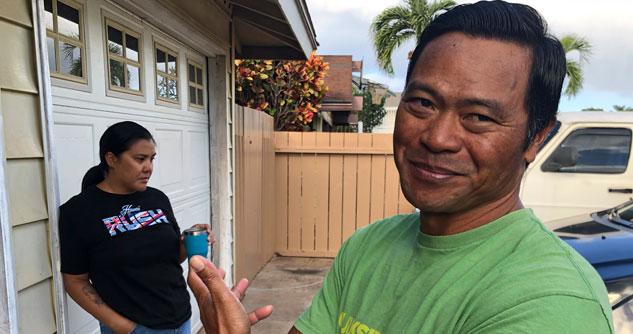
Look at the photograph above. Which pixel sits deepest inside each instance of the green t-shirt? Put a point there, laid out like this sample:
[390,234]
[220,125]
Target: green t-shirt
[509,276]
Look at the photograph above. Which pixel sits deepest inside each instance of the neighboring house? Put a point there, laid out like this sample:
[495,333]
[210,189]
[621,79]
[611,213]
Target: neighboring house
[377,89]
[389,121]
[72,68]
[339,108]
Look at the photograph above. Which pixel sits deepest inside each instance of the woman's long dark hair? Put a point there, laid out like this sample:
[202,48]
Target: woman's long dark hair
[116,139]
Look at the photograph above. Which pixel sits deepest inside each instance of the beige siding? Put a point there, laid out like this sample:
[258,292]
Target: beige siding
[27,198]
[35,309]
[21,110]
[16,11]
[17,70]
[19,105]
[30,243]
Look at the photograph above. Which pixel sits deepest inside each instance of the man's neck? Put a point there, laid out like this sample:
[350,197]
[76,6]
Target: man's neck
[441,224]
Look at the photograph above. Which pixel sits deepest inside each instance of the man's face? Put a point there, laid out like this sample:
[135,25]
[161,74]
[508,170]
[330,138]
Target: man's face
[461,124]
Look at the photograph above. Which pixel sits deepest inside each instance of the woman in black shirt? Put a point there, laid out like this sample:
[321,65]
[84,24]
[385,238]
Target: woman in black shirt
[121,246]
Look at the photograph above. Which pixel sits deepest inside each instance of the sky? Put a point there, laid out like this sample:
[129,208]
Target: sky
[342,28]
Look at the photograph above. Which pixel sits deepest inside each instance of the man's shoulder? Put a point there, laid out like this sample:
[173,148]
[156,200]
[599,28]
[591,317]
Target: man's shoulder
[542,265]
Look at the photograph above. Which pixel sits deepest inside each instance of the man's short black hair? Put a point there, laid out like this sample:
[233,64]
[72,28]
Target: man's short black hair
[516,23]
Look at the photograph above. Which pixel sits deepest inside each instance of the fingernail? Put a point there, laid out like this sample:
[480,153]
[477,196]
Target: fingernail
[196,263]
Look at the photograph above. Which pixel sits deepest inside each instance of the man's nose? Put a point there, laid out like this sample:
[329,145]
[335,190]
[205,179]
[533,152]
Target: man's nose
[443,134]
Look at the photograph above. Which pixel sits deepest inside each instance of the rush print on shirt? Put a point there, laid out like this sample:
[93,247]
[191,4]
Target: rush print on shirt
[132,218]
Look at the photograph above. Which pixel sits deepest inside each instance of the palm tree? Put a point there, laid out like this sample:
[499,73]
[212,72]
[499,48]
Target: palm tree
[574,43]
[395,25]
[622,108]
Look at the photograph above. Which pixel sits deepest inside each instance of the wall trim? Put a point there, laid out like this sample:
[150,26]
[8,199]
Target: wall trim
[52,185]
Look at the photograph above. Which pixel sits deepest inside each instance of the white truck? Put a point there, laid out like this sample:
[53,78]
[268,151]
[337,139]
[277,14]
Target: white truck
[584,166]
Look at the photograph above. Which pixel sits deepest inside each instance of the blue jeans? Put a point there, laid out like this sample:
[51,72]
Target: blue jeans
[140,329]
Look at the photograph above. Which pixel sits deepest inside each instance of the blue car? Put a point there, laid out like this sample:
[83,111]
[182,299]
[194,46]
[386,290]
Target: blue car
[605,239]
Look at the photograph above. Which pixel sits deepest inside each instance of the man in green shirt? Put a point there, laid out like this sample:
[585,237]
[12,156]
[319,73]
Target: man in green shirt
[481,95]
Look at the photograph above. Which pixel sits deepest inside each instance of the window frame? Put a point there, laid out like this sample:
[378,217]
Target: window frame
[168,51]
[193,83]
[109,22]
[59,37]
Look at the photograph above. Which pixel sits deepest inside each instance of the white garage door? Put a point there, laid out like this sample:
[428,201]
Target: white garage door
[143,75]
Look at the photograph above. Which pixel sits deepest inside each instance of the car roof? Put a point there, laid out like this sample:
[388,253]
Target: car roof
[596,117]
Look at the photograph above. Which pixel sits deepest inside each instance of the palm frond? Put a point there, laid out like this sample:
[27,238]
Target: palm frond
[574,78]
[440,6]
[390,29]
[573,42]
[395,25]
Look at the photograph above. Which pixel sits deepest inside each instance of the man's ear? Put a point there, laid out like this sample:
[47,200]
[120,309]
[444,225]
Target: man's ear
[111,159]
[530,153]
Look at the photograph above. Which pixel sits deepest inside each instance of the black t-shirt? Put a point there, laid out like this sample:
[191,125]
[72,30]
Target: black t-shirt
[129,245]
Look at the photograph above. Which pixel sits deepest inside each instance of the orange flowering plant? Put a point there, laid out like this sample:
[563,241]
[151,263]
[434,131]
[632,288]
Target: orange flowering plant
[290,91]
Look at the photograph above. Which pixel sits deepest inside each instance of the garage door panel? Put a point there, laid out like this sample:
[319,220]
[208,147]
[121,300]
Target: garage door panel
[75,148]
[199,159]
[169,162]
[200,213]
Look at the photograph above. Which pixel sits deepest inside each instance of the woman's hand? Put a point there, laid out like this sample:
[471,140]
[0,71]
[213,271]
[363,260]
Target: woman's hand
[210,235]
[210,240]
[125,327]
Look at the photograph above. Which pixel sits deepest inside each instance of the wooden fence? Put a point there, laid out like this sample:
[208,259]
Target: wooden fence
[328,185]
[255,205]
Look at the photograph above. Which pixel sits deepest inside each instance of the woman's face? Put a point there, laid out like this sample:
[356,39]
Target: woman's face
[132,169]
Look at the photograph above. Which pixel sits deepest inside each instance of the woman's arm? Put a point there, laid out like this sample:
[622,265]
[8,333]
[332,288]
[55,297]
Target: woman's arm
[84,294]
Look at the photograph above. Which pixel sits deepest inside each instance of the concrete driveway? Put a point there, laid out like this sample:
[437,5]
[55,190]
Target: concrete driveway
[288,283]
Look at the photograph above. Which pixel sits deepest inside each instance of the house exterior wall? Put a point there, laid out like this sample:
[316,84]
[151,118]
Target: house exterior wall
[389,121]
[25,186]
[338,79]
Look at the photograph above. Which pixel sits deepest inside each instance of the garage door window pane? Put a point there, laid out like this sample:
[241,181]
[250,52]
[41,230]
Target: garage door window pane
[200,97]
[192,94]
[48,14]
[117,76]
[161,61]
[199,76]
[172,65]
[115,41]
[70,59]
[192,72]
[131,47]
[161,86]
[50,46]
[594,150]
[68,20]
[133,78]
[172,89]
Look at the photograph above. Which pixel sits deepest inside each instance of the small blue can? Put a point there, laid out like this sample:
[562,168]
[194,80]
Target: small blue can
[196,241]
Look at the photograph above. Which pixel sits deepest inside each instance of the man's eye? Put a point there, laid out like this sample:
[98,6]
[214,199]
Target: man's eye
[479,118]
[424,102]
